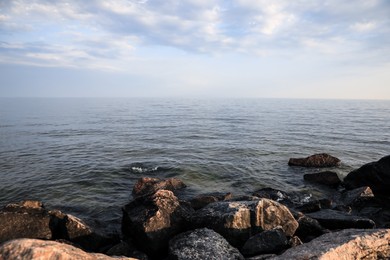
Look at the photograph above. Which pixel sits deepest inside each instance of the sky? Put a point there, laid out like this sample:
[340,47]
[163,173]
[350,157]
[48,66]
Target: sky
[195,48]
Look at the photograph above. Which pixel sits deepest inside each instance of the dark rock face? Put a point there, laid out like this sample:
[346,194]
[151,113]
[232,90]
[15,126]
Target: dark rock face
[345,244]
[126,249]
[316,160]
[308,229]
[152,220]
[204,199]
[357,196]
[326,178]
[202,244]
[375,175]
[148,186]
[237,221]
[332,219]
[266,242]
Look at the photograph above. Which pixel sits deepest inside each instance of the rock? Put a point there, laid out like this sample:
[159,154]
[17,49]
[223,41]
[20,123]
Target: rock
[314,205]
[316,160]
[349,244]
[237,221]
[40,249]
[273,194]
[126,248]
[152,220]
[147,186]
[357,196]
[295,241]
[375,175]
[266,242]
[332,219]
[308,229]
[326,178]
[203,200]
[202,244]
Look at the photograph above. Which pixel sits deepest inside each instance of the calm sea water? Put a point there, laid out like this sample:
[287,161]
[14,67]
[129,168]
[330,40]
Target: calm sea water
[84,155]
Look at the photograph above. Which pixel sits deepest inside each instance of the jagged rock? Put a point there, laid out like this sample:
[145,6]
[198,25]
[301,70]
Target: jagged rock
[152,220]
[203,200]
[202,244]
[237,221]
[308,229]
[40,249]
[316,160]
[375,175]
[266,242]
[357,196]
[349,244]
[332,219]
[147,186]
[326,178]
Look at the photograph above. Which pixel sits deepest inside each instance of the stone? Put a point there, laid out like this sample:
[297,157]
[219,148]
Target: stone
[308,229]
[41,249]
[147,186]
[153,220]
[202,244]
[375,175]
[348,244]
[126,248]
[332,219]
[316,160]
[237,221]
[266,242]
[273,194]
[327,178]
[357,196]
[203,200]
[295,241]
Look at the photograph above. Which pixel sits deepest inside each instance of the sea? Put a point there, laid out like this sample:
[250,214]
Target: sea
[83,155]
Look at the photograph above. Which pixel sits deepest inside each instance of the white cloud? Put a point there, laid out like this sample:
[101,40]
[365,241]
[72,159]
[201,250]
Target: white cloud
[364,26]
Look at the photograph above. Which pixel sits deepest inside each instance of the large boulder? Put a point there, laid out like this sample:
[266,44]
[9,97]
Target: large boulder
[316,160]
[237,221]
[349,244]
[326,178]
[152,220]
[40,249]
[202,244]
[376,175]
[357,197]
[147,186]
[266,242]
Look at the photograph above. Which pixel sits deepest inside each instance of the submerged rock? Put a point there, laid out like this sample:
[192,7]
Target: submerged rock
[202,244]
[237,221]
[375,175]
[152,220]
[40,249]
[349,244]
[316,160]
[326,178]
[147,186]
[266,242]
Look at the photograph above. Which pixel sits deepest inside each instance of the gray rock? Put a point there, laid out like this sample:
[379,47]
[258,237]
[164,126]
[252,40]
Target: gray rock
[237,221]
[202,244]
[332,219]
[349,244]
[357,196]
[316,160]
[375,175]
[326,178]
[266,242]
[308,229]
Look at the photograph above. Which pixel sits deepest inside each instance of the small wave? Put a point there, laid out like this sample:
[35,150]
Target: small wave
[136,169]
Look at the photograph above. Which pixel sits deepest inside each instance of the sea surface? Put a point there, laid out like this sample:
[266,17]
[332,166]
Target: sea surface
[83,155]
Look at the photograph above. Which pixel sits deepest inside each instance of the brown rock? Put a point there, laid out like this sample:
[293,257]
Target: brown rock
[148,186]
[316,160]
[203,200]
[326,178]
[40,249]
[349,244]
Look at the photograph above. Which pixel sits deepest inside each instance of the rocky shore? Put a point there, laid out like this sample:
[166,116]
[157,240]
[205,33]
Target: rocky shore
[267,224]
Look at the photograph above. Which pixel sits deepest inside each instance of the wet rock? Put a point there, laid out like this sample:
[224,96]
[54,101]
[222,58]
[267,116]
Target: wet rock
[332,219]
[375,175]
[40,249]
[316,160]
[327,178]
[152,220]
[314,205]
[266,242]
[308,229]
[349,244]
[147,186]
[237,221]
[273,194]
[203,200]
[202,244]
[357,196]
[126,248]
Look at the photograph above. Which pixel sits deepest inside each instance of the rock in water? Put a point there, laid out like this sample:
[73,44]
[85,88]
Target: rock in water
[348,244]
[237,221]
[40,249]
[326,178]
[357,196]
[202,244]
[332,219]
[316,160]
[269,241]
[152,220]
[375,175]
[148,186]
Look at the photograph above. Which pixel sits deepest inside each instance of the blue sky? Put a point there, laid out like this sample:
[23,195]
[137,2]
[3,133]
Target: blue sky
[202,48]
